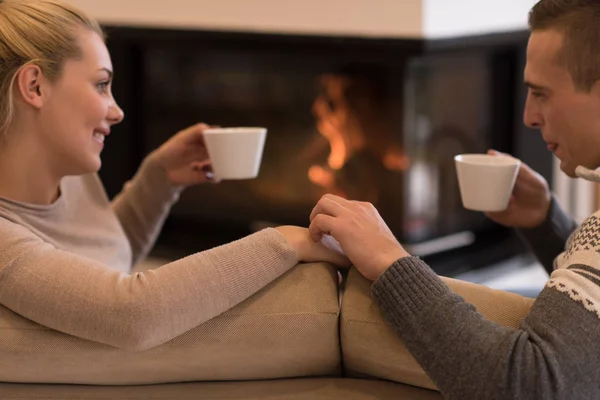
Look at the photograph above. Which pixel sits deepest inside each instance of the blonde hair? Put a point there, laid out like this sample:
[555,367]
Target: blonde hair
[40,32]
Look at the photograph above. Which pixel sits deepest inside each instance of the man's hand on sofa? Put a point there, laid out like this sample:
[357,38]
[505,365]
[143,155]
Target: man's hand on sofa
[310,251]
[363,235]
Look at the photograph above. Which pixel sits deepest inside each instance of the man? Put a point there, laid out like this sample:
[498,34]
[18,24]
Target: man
[556,352]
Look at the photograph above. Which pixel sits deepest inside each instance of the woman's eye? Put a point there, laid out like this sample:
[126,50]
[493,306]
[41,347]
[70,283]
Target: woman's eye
[102,87]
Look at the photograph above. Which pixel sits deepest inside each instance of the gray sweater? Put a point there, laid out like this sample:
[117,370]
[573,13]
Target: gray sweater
[554,355]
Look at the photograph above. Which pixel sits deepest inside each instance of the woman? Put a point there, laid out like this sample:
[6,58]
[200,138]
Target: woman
[65,250]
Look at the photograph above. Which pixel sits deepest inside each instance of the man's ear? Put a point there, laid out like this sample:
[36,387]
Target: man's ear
[31,85]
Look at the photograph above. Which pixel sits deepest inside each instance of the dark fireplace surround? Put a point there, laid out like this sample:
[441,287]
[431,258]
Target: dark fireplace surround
[371,119]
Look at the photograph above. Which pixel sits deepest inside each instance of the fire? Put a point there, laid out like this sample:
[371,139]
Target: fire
[395,160]
[351,117]
[320,176]
[333,118]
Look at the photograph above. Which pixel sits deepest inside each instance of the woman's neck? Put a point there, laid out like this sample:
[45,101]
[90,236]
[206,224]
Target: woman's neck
[25,171]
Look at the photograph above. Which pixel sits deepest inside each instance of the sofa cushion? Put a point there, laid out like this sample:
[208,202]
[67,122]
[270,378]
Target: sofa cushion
[291,389]
[289,329]
[370,348]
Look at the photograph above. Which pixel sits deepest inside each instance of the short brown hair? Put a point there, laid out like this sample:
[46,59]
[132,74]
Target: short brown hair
[579,22]
[42,32]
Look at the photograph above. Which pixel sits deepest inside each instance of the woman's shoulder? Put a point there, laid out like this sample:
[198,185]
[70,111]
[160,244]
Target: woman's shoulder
[14,232]
[82,201]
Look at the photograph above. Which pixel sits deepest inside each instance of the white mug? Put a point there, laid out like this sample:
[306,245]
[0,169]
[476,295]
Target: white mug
[486,181]
[235,153]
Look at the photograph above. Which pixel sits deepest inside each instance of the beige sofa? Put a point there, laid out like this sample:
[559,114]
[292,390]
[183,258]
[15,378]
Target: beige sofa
[299,338]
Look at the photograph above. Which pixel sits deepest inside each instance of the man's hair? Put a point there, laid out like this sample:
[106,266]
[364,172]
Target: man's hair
[579,23]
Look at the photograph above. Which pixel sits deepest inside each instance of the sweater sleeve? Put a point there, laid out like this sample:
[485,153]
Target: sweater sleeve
[143,206]
[84,298]
[554,354]
[549,239]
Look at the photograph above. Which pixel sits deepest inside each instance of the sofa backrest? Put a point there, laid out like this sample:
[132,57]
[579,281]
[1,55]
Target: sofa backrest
[288,329]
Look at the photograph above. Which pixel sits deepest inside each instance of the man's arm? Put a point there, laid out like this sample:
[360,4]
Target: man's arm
[548,240]
[554,354]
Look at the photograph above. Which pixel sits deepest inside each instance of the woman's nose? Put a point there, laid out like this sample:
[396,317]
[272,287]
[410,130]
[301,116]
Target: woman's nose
[115,114]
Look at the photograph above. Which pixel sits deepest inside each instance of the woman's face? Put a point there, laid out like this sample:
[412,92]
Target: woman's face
[79,109]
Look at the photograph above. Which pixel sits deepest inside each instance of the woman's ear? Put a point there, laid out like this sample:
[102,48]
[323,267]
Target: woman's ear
[30,82]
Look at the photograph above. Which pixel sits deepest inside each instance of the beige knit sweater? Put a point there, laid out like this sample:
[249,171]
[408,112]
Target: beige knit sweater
[67,265]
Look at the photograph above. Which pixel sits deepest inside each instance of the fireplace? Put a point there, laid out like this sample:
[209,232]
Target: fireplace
[367,119]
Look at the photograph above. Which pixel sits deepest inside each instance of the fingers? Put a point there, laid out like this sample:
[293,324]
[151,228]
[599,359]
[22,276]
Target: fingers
[203,165]
[337,199]
[204,171]
[320,225]
[524,168]
[525,174]
[528,179]
[197,128]
[201,126]
[500,154]
[330,205]
[493,152]
[367,207]
[196,131]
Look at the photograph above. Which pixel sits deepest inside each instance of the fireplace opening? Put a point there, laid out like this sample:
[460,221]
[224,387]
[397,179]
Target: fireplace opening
[368,120]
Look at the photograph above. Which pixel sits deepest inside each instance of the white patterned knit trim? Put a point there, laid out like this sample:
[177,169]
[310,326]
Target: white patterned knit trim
[579,288]
[577,270]
[584,257]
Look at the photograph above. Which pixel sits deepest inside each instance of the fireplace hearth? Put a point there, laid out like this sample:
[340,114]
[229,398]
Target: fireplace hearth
[367,119]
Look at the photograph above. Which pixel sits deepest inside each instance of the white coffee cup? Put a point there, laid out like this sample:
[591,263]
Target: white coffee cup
[235,153]
[486,181]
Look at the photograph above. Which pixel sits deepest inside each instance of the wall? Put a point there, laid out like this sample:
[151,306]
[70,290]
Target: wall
[380,18]
[367,18]
[449,18]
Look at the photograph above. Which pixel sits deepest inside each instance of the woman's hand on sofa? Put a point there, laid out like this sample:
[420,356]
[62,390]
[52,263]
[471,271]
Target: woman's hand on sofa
[362,233]
[309,250]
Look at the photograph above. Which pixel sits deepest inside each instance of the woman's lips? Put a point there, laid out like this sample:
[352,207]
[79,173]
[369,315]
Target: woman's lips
[552,147]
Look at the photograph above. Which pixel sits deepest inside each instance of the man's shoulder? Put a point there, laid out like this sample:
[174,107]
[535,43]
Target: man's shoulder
[578,268]
[587,235]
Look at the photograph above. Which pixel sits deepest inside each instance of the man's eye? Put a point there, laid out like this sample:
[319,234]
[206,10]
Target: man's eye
[538,95]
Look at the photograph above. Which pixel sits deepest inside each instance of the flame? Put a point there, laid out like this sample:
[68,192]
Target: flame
[320,176]
[345,117]
[333,118]
[396,160]
[328,126]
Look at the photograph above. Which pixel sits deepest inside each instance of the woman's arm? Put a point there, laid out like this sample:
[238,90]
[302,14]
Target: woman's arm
[143,206]
[84,298]
[144,203]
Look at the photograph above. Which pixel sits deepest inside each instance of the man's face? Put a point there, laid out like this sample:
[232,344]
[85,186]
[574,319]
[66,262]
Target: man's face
[569,119]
